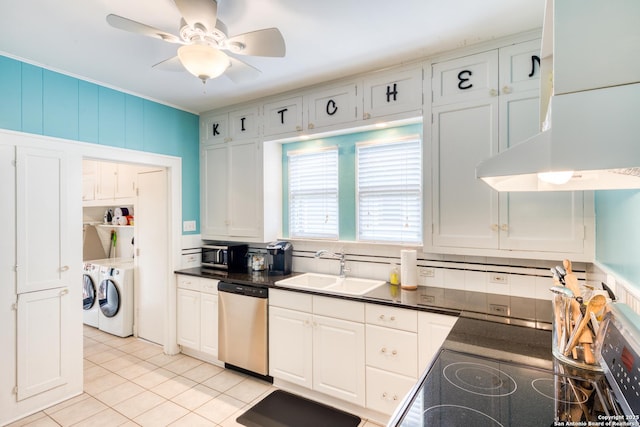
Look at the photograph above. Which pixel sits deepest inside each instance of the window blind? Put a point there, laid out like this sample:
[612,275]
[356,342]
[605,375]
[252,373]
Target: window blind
[313,194]
[389,191]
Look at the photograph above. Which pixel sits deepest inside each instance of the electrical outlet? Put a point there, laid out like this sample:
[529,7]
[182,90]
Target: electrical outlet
[189,226]
[426,272]
[498,278]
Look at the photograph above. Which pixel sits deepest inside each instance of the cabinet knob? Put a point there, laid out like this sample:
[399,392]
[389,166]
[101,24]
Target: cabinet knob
[64,291]
[494,227]
[311,126]
[64,268]
[493,92]
[366,116]
[504,227]
[507,90]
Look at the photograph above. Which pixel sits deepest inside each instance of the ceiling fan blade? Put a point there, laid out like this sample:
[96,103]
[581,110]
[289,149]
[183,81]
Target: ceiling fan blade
[171,64]
[240,72]
[266,42]
[136,27]
[204,12]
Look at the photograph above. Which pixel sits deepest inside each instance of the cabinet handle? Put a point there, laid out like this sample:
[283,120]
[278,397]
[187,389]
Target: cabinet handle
[385,396]
[504,227]
[493,92]
[506,90]
[494,227]
[383,318]
[64,268]
[64,291]
[311,126]
[366,116]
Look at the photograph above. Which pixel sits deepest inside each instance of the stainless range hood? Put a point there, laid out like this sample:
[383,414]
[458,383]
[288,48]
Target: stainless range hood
[591,134]
[594,137]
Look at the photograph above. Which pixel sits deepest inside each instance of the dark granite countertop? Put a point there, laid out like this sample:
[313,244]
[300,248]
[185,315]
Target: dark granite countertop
[505,309]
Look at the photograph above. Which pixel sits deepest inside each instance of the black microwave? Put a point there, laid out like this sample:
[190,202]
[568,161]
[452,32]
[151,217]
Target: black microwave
[225,257]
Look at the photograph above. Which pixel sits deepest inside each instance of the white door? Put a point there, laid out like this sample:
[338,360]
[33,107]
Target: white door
[151,241]
[43,337]
[41,219]
[338,359]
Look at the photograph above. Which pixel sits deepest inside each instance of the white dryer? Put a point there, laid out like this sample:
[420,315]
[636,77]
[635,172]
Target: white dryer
[90,282]
[115,298]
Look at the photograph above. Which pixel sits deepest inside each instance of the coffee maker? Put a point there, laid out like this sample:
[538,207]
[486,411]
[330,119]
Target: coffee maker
[280,257]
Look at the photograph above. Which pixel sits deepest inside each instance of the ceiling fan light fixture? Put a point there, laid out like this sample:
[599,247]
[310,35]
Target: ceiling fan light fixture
[203,61]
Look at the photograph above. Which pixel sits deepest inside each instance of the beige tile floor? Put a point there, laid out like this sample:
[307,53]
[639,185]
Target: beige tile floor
[130,382]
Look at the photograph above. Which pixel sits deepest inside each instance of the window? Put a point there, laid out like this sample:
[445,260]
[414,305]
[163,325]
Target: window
[389,191]
[313,194]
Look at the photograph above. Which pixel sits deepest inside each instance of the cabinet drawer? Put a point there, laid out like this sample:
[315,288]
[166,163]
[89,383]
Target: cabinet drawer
[291,300]
[392,350]
[385,390]
[188,282]
[209,286]
[339,308]
[392,317]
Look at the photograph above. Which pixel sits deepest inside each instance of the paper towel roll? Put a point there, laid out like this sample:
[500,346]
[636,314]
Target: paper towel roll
[408,269]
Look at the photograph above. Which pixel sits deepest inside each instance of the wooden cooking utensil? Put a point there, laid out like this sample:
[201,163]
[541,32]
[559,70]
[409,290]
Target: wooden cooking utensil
[595,305]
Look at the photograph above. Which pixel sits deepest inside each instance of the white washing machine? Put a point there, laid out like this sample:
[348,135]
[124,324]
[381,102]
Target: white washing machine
[115,298]
[90,282]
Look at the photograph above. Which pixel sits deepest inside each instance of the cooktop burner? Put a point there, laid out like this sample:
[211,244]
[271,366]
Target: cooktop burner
[469,390]
[479,378]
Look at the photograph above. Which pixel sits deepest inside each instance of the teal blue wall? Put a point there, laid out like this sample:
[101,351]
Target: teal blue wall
[618,233]
[346,170]
[39,101]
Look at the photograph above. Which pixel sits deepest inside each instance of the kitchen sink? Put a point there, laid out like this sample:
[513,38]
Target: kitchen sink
[329,283]
[354,286]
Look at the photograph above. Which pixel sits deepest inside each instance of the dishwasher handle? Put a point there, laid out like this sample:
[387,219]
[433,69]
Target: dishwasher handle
[246,290]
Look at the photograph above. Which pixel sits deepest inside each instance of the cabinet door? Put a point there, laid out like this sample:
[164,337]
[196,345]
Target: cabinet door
[214,129]
[392,93]
[89,180]
[433,329]
[106,180]
[332,106]
[385,390]
[41,219]
[290,346]
[188,318]
[214,191]
[125,186]
[392,350]
[520,67]
[465,208]
[283,117]
[545,221]
[209,324]
[473,77]
[244,124]
[338,359]
[245,194]
[43,340]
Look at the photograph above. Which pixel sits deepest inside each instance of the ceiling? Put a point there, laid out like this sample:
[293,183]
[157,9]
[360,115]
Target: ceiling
[325,40]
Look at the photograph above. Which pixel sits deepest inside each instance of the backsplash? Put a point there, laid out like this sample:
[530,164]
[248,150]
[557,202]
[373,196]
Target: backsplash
[624,291]
[503,276]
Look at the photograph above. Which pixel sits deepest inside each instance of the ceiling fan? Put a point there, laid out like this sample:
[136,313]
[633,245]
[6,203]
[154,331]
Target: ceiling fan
[204,38]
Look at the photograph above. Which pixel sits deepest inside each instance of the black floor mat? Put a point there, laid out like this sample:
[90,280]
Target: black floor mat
[282,409]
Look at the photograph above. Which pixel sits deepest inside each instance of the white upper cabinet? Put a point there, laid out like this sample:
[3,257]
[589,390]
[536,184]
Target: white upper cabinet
[283,117]
[214,128]
[473,77]
[225,127]
[392,93]
[333,106]
[498,109]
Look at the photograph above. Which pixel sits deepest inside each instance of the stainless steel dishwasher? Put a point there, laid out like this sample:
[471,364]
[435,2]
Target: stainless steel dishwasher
[242,327]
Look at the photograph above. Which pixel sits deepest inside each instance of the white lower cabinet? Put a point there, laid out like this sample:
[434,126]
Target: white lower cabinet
[433,329]
[197,314]
[318,343]
[392,355]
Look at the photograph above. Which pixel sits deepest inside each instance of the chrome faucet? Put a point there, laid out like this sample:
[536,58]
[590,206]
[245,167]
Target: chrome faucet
[343,268]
